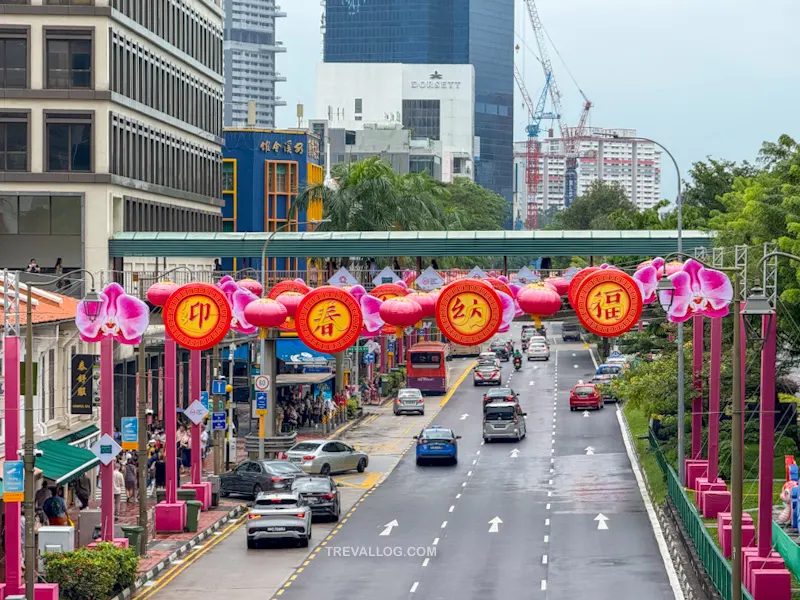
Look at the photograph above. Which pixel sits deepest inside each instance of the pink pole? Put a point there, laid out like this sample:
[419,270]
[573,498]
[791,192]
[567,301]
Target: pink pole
[13,537]
[743,367]
[766,441]
[195,381]
[171,418]
[107,427]
[697,401]
[713,399]
[384,354]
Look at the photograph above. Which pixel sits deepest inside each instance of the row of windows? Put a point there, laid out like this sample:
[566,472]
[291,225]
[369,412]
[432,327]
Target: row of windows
[492,109]
[40,215]
[68,59]
[68,142]
[142,215]
[146,77]
[422,117]
[145,153]
[180,25]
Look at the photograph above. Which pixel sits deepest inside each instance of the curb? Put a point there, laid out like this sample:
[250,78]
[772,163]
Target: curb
[182,551]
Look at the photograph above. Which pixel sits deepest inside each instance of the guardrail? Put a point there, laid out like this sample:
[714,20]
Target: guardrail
[715,564]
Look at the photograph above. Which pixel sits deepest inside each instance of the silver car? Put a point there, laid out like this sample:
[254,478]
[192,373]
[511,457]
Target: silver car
[409,400]
[326,457]
[504,420]
[538,350]
[279,516]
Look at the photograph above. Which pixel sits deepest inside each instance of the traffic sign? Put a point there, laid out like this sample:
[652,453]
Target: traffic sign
[130,433]
[261,383]
[196,412]
[204,399]
[261,401]
[477,273]
[218,387]
[218,421]
[615,354]
[369,358]
[106,449]
[390,346]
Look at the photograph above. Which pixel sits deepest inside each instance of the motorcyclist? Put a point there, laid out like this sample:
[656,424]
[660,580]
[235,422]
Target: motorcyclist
[517,358]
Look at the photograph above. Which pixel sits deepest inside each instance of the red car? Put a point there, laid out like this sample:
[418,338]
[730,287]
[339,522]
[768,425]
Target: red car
[585,395]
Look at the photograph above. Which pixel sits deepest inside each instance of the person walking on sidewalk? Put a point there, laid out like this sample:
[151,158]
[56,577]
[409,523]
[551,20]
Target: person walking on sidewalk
[55,508]
[130,478]
[119,488]
[83,488]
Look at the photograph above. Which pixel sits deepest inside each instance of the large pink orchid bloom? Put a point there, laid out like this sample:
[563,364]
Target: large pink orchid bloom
[121,317]
[509,311]
[647,279]
[371,315]
[238,299]
[698,291]
[518,312]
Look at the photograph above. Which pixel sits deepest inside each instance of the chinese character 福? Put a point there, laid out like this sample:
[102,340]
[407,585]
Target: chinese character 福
[607,305]
[298,148]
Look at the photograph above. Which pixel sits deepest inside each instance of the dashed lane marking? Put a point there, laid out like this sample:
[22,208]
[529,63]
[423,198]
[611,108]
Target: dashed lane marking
[414,587]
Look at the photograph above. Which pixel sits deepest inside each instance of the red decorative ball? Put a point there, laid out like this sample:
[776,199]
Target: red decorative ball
[426,301]
[291,300]
[158,293]
[539,300]
[265,313]
[252,285]
[560,284]
[401,312]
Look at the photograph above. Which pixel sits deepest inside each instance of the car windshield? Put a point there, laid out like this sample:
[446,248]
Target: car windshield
[409,394]
[284,467]
[498,345]
[500,413]
[584,390]
[426,358]
[569,327]
[609,370]
[305,447]
[267,502]
[487,367]
[500,392]
[437,434]
[311,486]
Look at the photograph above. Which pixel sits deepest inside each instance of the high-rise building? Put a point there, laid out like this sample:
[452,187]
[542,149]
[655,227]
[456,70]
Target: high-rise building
[608,154]
[250,51]
[476,32]
[111,121]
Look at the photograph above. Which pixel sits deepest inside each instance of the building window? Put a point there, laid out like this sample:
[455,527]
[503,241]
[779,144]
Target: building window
[280,179]
[422,118]
[84,2]
[13,142]
[227,176]
[227,226]
[34,215]
[69,62]
[13,59]
[69,142]
[51,384]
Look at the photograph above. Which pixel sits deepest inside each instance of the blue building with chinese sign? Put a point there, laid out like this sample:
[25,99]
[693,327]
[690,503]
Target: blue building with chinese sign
[263,173]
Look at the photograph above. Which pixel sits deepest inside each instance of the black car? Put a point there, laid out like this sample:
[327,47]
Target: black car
[255,476]
[321,494]
[500,349]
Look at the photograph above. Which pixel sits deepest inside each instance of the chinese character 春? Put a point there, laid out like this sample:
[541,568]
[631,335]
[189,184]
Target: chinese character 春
[326,320]
[287,147]
[82,366]
[200,312]
[276,146]
[264,146]
[82,378]
[607,305]
[81,391]
[298,148]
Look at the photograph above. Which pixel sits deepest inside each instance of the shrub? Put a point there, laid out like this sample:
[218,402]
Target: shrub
[352,408]
[95,574]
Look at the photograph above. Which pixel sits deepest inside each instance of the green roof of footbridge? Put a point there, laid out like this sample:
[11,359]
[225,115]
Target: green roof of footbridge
[407,243]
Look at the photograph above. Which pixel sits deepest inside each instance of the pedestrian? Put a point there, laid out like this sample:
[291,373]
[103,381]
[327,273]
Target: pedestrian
[373,269]
[42,495]
[117,435]
[203,440]
[160,471]
[33,267]
[55,508]
[186,449]
[130,477]
[313,273]
[119,488]
[83,489]
[434,264]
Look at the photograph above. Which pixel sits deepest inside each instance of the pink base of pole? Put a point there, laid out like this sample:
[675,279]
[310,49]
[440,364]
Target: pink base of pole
[766,436]
[107,427]
[13,535]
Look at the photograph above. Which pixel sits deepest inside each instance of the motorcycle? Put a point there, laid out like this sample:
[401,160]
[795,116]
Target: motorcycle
[517,363]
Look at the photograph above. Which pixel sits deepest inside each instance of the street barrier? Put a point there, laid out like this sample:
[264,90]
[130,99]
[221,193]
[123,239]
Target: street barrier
[715,564]
[786,547]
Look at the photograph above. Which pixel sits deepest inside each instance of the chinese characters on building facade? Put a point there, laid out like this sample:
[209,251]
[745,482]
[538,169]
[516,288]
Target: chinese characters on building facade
[82,384]
[291,147]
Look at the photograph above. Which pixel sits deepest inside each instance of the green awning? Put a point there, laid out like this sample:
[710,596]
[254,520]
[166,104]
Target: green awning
[63,463]
[79,435]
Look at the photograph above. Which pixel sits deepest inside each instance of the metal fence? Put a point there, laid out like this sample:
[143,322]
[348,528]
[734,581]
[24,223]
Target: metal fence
[715,564]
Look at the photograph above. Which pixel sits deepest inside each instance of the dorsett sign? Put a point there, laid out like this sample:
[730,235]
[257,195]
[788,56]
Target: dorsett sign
[435,82]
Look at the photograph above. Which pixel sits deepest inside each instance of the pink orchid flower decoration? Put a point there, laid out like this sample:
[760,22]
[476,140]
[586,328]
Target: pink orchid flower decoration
[647,279]
[238,298]
[518,312]
[121,317]
[509,311]
[371,315]
[698,291]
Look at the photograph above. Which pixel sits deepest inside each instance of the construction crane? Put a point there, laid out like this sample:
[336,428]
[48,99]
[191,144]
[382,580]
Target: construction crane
[533,152]
[570,136]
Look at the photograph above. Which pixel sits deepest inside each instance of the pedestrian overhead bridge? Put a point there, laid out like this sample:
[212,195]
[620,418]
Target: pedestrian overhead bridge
[406,243]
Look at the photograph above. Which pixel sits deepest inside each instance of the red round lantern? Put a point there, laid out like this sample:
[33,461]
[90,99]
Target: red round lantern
[426,301]
[499,285]
[290,300]
[560,284]
[539,300]
[401,312]
[288,286]
[252,285]
[158,293]
[576,281]
[265,313]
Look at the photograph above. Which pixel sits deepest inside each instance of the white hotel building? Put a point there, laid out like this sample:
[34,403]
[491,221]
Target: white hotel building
[631,162]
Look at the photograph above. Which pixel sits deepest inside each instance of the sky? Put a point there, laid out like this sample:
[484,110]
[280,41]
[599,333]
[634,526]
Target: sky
[702,77]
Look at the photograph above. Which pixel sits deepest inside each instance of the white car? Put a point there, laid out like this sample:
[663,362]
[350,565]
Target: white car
[486,374]
[409,400]
[538,350]
[279,516]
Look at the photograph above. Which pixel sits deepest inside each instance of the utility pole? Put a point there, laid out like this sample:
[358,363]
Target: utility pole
[142,408]
[29,457]
[229,397]
[217,404]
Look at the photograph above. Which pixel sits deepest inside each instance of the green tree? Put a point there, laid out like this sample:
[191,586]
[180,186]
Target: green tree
[476,207]
[710,180]
[592,210]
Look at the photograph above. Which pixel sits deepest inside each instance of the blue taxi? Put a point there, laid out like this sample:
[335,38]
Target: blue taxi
[437,443]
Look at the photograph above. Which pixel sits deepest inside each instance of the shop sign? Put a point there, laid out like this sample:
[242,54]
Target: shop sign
[197,316]
[469,312]
[81,386]
[608,302]
[328,320]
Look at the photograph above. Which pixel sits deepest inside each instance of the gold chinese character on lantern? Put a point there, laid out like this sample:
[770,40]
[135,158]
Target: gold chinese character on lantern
[328,320]
[469,312]
[608,303]
[298,148]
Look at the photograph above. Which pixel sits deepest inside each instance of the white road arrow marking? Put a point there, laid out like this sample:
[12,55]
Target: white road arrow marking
[464,416]
[514,453]
[586,413]
[601,521]
[530,383]
[589,451]
[494,525]
[576,366]
[389,526]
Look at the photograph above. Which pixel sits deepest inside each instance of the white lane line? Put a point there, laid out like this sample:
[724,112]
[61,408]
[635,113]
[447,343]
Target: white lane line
[464,484]
[458,496]
[416,583]
[550,482]
[547,507]
[544,584]
[435,541]
[547,522]
[444,524]
[552,460]
[425,562]
[549,494]
[452,508]
[478,452]
[544,559]
[475,462]
[469,474]
[552,450]
[546,539]
[551,470]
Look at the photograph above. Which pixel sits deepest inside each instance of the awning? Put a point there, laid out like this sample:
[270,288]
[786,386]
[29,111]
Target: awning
[63,463]
[303,378]
[79,435]
[295,351]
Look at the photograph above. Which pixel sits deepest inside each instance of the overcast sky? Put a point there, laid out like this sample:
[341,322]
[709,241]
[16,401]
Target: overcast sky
[703,77]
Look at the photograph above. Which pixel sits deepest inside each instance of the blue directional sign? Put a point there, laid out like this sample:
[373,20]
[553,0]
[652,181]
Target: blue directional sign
[615,354]
[369,357]
[204,399]
[218,387]
[13,481]
[218,421]
[130,433]
[390,345]
[261,400]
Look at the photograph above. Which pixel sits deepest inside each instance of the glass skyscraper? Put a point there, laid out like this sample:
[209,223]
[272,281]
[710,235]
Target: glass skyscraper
[476,32]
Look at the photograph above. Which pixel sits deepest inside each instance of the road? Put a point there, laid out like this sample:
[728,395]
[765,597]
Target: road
[557,515]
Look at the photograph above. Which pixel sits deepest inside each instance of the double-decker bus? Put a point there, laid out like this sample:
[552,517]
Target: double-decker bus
[426,367]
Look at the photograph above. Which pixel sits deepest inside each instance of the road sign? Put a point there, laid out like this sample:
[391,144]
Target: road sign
[525,276]
[106,449]
[387,529]
[204,399]
[369,358]
[390,346]
[218,387]
[261,401]
[615,354]
[13,481]
[196,412]
[385,276]
[218,421]
[261,383]
[130,433]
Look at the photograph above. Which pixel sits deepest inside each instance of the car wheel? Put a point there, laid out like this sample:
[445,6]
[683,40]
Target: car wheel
[362,465]
[455,460]
[304,542]
[422,412]
[419,462]
[325,470]
[223,492]
[251,544]
[486,440]
[256,490]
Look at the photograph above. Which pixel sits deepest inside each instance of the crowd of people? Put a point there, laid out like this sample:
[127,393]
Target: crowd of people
[307,411]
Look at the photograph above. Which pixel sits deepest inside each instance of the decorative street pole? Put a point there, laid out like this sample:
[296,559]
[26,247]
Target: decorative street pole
[697,378]
[713,399]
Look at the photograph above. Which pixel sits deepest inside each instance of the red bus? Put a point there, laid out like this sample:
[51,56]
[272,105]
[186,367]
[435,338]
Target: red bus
[426,367]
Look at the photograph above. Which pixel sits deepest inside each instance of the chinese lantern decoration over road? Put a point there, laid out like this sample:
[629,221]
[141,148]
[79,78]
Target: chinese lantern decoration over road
[539,300]
[238,298]
[469,312]
[252,286]
[576,281]
[328,320]
[401,312]
[387,291]
[265,313]
[158,293]
[560,284]
[426,301]
[608,302]
[120,316]
[198,316]
[289,293]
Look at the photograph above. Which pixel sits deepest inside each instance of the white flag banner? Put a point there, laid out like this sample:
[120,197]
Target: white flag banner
[385,276]
[525,276]
[342,278]
[477,273]
[570,273]
[429,280]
